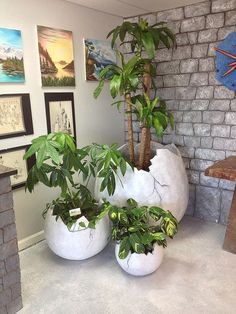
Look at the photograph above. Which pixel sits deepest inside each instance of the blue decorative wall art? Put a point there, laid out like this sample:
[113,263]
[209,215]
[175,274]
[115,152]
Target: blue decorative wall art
[226,61]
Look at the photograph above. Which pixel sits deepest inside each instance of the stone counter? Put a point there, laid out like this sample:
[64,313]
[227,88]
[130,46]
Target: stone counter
[10,280]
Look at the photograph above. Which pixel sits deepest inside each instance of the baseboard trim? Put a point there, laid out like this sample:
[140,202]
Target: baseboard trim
[31,240]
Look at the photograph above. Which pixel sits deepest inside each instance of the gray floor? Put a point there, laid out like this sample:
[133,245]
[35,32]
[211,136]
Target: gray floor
[197,276]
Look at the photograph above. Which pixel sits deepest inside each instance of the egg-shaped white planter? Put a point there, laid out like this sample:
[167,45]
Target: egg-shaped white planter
[164,185]
[141,264]
[79,244]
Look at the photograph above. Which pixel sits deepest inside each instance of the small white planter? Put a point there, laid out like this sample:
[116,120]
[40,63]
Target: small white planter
[165,185]
[141,264]
[79,244]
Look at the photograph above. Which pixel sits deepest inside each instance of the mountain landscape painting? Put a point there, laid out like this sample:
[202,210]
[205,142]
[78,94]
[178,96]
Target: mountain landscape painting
[56,56]
[11,56]
[98,54]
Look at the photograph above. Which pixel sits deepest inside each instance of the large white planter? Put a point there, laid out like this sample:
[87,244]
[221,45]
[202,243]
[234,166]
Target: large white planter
[141,264]
[165,185]
[79,244]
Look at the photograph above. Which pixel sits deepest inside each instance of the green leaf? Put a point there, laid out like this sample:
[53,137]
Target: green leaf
[115,85]
[132,203]
[115,35]
[82,224]
[159,236]
[70,142]
[41,155]
[123,166]
[136,244]
[131,64]
[33,149]
[52,153]
[92,225]
[124,248]
[122,32]
[104,184]
[148,44]
[134,81]
[165,40]
[157,126]
[147,238]
[53,178]
[98,89]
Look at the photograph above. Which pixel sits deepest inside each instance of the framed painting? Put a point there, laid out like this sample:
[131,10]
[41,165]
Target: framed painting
[11,56]
[56,56]
[60,113]
[15,115]
[13,158]
[226,61]
[98,54]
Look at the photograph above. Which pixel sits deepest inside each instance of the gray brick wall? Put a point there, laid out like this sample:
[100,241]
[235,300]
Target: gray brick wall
[205,111]
[10,286]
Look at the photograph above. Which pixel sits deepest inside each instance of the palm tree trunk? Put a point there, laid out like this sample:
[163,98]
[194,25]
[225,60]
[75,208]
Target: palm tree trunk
[130,128]
[145,149]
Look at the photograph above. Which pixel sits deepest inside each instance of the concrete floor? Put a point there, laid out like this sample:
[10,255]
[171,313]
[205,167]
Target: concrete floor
[197,276]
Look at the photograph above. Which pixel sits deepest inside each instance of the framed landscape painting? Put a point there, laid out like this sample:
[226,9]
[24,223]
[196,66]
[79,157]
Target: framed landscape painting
[60,113]
[13,158]
[15,115]
[11,56]
[98,54]
[56,56]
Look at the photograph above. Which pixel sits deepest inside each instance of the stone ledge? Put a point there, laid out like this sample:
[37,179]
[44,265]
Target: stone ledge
[6,171]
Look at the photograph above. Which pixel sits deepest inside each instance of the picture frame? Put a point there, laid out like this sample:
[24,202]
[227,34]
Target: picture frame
[13,158]
[60,113]
[15,115]
[97,54]
[11,55]
[56,56]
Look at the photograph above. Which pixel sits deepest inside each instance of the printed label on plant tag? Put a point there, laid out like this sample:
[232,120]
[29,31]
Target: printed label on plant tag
[80,224]
[83,221]
[75,212]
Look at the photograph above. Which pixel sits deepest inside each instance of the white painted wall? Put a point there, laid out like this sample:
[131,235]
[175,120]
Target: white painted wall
[96,121]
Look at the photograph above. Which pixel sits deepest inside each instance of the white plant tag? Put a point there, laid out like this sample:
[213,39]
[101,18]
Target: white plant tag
[75,212]
[84,220]
[76,226]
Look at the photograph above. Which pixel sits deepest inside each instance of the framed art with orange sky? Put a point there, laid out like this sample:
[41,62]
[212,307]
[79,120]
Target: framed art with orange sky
[56,56]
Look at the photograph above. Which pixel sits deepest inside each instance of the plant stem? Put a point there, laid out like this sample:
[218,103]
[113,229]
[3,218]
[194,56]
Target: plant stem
[145,150]
[130,128]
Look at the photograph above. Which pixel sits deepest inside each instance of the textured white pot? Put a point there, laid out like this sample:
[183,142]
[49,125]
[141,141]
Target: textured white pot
[79,244]
[165,185]
[141,264]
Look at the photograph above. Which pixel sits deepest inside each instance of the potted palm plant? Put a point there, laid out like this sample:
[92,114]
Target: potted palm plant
[133,80]
[75,227]
[140,233]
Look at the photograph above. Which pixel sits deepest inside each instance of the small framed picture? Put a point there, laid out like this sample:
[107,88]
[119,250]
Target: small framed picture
[15,115]
[11,56]
[60,113]
[98,54]
[13,158]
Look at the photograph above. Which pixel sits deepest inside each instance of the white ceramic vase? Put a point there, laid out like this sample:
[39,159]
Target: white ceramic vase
[165,185]
[141,264]
[79,244]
